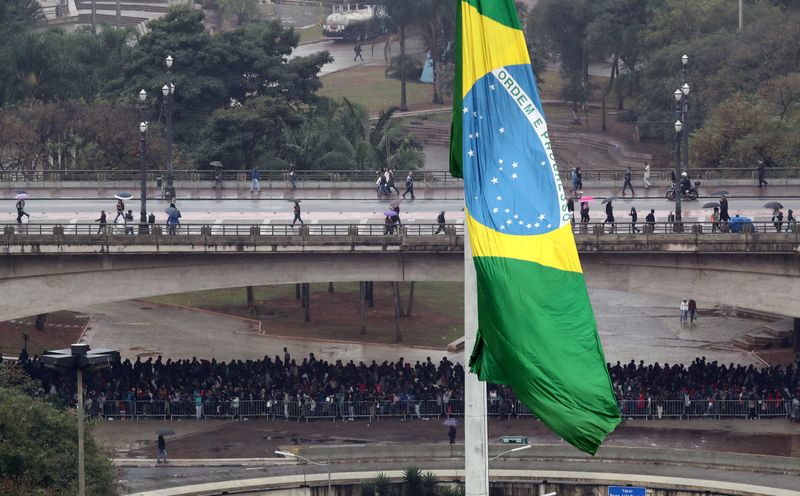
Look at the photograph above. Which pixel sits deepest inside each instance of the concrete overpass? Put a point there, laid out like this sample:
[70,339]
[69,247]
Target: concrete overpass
[47,268]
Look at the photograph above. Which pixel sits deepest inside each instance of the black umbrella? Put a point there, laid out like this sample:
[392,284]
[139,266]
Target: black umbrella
[611,198]
[123,195]
[719,192]
[396,203]
[165,431]
[216,163]
[711,205]
[773,205]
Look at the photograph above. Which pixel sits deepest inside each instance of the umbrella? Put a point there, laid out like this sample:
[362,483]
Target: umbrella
[611,198]
[450,421]
[124,195]
[586,199]
[719,192]
[711,205]
[165,431]
[22,196]
[18,191]
[216,163]
[390,213]
[395,203]
[773,205]
[295,201]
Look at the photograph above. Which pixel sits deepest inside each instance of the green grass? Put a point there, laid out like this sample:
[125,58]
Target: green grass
[310,34]
[436,320]
[368,86]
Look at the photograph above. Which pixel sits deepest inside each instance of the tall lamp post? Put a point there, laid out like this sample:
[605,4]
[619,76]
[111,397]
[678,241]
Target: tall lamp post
[168,90]
[518,448]
[684,118]
[142,164]
[328,464]
[677,185]
[79,358]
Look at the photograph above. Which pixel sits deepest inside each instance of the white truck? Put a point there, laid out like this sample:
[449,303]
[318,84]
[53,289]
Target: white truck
[355,22]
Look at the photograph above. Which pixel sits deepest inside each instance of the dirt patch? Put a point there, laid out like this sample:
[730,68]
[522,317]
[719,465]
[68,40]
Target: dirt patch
[60,330]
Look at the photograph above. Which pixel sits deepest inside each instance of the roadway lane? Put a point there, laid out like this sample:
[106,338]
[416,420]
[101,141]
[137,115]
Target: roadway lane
[258,211]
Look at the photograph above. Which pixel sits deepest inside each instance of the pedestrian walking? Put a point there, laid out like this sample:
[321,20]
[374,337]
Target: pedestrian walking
[382,182]
[577,181]
[627,178]
[217,177]
[440,219]
[692,311]
[571,210]
[409,185]
[21,211]
[451,434]
[715,220]
[128,222]
[162,449]
[173,219]
[790,220]
[120,210]
[634,217]
[254,176]
[646,180]
[761,170]
[297,213]
[609,215]
[292,177]
[103,222]
[724,216]
[390,182]
[584,212]
[357,50]
[777,219]
[684,308]
[151,221]
[651,221]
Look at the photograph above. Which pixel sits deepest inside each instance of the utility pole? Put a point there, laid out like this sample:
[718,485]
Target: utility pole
[741,15]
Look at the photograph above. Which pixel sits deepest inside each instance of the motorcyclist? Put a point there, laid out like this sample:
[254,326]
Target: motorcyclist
[686,183]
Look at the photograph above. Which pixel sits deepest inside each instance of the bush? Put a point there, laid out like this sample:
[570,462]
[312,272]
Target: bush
[413,68]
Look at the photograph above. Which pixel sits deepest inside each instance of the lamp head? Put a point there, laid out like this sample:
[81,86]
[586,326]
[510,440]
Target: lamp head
[165,90]
[678,95]
[142,95]
[142,127]
[678,126]
[685,89]
[169,61]
[685,59]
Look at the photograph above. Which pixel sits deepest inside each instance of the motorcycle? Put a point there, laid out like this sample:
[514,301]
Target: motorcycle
[691,194]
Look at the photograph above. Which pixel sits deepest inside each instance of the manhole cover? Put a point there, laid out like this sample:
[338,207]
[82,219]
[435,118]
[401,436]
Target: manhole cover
[145,308]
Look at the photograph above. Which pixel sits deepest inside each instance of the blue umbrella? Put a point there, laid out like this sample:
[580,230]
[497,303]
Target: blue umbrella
[390,213]
[123,195]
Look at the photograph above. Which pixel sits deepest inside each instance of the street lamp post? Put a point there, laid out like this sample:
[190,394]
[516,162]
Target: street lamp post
[142,164]
[328,464]
[168,91]
[79,358]
[518,448]
[685,89]
[677,185]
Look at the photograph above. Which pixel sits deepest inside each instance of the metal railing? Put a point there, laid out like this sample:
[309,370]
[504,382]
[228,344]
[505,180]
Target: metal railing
[120,231]
[411,409]
[378,229]
[302,177]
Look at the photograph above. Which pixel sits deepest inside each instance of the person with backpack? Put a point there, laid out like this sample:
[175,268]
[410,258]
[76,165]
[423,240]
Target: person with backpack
[627,183]
[103,222]
[442,222]
[651,221]
[254,176]
[128,218]
[120,210]
[409,185]
[297,213]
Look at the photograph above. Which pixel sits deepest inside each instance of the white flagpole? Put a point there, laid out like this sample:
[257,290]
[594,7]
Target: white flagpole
[476,442]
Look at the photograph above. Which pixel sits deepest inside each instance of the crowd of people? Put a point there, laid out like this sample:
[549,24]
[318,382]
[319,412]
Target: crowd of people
[316,387]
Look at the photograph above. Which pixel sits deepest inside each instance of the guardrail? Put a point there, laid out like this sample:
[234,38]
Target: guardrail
[440,178]
[120,231]
[411,409]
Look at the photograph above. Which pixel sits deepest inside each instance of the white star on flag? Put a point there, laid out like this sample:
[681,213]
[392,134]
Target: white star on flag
[471,153]
[477,135]
[499,198]
[541,217]
[543,162]
[508,210]
[466,110]
[508,221]
[471,136]
[516,216]
[495,180]
[528,226]
[520,222]
[500,161]
[495,210]
[514,175]
[474,114]
[502,130]
[515,165]
[492,87]
[536,225]
[549,226]
[502,228]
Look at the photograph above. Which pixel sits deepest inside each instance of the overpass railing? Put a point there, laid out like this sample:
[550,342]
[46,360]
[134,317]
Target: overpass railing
[410,409]
[439,178]
[119,230]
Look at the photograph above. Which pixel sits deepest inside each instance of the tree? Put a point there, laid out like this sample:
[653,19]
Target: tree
[438,29]
[38,445]
[392,145]
[403,14]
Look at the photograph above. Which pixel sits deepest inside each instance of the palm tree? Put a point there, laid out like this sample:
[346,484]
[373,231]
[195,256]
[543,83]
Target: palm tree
[392,145]
[403,14]
[437,26]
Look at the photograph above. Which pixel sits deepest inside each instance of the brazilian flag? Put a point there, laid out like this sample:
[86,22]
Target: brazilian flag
[536,327]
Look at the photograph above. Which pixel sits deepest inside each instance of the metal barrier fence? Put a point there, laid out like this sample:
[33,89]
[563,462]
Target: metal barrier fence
[376,229]
[122,230]
[440,178]
[406,409]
